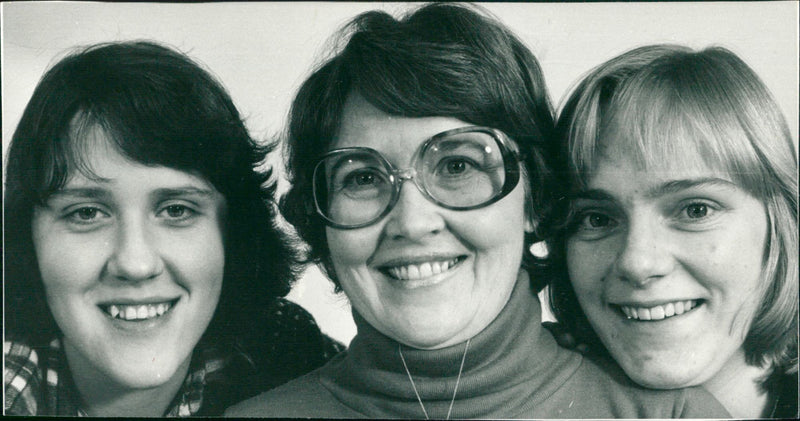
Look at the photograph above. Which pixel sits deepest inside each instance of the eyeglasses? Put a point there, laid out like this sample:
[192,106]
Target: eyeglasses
[460,169]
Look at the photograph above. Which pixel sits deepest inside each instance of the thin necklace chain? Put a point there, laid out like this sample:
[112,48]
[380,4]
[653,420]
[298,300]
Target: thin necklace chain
[414,386]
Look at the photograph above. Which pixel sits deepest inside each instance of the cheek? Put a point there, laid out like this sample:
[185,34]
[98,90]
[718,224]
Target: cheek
[350,251]
[497,229]
[731,268]
[350,248]
[67,263]
[199,256]
[68,278]
[585,265]
[731,261]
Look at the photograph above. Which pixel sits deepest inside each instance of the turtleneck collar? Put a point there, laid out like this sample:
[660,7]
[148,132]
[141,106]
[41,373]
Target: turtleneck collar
[509,367]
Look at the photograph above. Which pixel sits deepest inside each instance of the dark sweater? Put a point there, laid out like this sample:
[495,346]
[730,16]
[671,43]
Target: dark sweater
[513,369]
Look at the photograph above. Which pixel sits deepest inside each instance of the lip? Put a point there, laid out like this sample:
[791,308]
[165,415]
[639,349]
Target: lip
[137,301]
[411,272]
[417,259]
[138,313]
[656,311]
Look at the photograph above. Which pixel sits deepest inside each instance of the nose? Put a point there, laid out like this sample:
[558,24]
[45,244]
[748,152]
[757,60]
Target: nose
[644,256]
[134,257]
[413,216]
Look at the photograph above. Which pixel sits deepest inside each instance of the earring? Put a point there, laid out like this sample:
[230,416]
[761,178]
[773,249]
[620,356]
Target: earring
[539,250]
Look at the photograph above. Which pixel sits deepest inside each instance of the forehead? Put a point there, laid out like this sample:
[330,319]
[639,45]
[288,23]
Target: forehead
[101,161]
[394,136]
[670,154]
[96,148]
[621,167]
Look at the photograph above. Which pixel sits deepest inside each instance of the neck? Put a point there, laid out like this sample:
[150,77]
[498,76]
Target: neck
[498,374]
[101,397]
[737,386]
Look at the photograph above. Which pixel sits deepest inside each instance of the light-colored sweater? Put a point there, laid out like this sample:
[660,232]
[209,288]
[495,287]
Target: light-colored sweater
[513,369]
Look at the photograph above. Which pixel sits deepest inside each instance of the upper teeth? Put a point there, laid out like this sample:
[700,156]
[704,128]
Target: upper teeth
[659,312]
[420,271]
[138,312]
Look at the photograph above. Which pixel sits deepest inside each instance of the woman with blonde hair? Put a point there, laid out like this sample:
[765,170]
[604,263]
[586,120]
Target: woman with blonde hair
[678,254]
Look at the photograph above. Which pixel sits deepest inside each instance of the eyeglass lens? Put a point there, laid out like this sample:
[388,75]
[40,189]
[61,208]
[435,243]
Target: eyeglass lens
[459,170]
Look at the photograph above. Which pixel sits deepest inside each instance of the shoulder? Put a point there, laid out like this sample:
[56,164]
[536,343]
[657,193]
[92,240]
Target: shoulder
[287,342]
[22,378]
[287,322]
[281,342]
[302,397]
[604,387]
[697,402]
[784,388]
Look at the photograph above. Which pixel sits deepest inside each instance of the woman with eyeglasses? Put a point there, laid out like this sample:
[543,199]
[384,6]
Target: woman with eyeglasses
[418,179]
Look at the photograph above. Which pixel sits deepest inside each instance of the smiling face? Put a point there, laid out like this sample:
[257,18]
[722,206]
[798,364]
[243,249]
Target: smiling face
[423,275]
[132,266]
[667,265]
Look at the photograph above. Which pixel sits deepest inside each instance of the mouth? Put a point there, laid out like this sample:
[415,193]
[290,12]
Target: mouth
[659,312]
[421,270]
[138,312]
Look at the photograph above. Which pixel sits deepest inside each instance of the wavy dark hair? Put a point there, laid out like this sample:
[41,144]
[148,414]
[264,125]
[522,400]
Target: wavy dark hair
[446,60]
[159,108]
[657,98]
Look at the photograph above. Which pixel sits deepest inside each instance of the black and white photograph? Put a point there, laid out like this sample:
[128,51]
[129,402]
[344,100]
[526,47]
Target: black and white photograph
[382,210]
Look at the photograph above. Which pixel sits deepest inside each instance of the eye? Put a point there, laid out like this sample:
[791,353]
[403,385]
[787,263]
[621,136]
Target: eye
[86,215]
[596,220]
[361,179]
[593,224]
[698,214]
[177,213]
[455,166]
[696,210]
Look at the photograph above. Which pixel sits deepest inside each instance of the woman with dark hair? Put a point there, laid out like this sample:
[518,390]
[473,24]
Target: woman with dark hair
[679,253]
[143,265]
[416,157]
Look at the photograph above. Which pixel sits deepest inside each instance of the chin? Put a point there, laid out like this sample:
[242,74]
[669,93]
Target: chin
[149,379]
[419,340]
[423,338]
[148,375]
[661,376]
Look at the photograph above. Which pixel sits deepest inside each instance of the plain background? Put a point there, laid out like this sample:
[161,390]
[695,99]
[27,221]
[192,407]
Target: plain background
[263,51]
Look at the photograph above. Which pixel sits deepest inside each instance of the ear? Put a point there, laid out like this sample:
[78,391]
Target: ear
[530,223]
[530,226]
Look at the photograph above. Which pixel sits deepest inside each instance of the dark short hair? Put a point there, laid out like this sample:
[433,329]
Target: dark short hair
[159,108]
[444,60]
[645,97]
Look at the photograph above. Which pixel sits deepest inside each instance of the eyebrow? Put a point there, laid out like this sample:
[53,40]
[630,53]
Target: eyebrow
[105,194]
[675,186]
[81,192]
[173,192]
[593,194]
[669,187]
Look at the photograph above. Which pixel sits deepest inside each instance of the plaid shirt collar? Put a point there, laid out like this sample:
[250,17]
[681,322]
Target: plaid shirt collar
[23,375]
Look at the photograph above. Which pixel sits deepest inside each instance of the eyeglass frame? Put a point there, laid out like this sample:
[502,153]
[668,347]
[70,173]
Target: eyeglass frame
[512,158]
